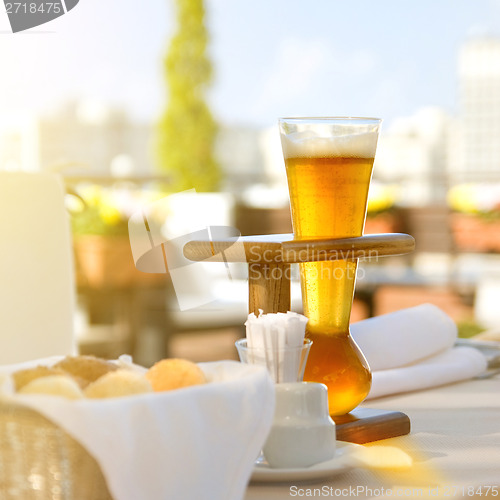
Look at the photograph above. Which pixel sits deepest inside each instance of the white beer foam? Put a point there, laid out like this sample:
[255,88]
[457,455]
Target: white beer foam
[309,145]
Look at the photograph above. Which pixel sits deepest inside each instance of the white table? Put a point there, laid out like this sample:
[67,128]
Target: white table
[454,442]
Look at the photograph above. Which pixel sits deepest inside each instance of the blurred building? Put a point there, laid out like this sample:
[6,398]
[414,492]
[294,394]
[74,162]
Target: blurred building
[414,154]
[92,139]
[80,139]
[241,159]
[479,110]
[430,151]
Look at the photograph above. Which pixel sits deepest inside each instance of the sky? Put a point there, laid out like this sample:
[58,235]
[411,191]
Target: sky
[271,58]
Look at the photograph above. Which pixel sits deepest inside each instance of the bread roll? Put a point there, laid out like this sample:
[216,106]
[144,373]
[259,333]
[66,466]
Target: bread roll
[169,374]
[118,383]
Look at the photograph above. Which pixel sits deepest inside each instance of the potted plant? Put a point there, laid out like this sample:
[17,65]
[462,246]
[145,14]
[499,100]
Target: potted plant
[381,215]
[103,256]
[476,216]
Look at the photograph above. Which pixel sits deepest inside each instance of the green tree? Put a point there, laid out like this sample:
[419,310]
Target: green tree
[187,130]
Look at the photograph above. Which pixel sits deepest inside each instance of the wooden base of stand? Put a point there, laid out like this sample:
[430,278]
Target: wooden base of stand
[364,425]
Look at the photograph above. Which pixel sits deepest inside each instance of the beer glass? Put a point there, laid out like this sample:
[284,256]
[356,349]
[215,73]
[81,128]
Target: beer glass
[329,164]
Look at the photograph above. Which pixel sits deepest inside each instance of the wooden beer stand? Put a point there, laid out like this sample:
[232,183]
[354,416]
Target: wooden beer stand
[269,258]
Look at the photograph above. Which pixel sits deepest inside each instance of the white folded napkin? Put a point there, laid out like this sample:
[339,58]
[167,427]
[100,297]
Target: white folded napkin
[459,363]
[403,337]
[413,349]
[198,442]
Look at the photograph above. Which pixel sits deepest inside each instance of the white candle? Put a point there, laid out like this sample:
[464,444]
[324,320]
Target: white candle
[36,269]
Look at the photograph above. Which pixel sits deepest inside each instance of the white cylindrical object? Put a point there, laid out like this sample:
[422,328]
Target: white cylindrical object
[36,268]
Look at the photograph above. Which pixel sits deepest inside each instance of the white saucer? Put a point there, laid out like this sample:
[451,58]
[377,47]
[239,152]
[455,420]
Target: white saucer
[341,462]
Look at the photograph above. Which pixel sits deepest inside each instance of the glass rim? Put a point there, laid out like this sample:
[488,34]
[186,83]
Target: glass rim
[367,119]
[242,343]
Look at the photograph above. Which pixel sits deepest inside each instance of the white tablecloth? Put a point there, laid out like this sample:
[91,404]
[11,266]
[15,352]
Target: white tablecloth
[454,442]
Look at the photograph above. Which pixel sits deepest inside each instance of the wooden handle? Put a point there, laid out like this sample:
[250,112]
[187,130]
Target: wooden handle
[283,248]
[369,246]
[269,258]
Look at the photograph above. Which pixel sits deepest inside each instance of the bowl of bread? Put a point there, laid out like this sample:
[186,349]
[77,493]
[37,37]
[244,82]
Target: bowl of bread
[81,427]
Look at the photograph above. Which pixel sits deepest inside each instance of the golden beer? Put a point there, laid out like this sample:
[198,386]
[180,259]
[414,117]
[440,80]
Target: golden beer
[328,183]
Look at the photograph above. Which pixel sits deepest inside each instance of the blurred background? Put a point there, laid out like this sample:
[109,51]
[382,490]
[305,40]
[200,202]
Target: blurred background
[130,102]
